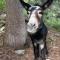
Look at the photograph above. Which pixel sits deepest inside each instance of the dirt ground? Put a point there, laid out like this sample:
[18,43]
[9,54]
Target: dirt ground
[53,43]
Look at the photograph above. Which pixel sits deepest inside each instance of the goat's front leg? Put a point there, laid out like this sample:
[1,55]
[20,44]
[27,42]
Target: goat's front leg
[39,52]
[42,52]
[36,50]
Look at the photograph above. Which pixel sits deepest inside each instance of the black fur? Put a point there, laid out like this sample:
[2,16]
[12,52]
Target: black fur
[25,5]
[36,39]
[46,4]
[43,6]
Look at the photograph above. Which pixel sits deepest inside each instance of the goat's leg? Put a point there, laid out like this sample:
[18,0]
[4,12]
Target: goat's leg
[46,50]
[39,52]
[36,48]
[45,45]
[42,51]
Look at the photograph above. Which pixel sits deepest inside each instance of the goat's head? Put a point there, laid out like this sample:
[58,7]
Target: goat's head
[35,15]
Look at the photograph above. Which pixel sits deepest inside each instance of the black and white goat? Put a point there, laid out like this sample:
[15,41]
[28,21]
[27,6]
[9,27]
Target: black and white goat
[36,28]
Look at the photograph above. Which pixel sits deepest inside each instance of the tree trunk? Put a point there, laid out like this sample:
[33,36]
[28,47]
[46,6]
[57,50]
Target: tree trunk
[15,25]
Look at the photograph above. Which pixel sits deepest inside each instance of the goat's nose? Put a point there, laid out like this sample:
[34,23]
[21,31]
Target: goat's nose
[32,25]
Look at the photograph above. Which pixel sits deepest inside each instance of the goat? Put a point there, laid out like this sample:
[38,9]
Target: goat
[36,28]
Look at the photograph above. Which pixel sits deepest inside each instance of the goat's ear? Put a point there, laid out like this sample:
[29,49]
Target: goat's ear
[25,5]
[47,4]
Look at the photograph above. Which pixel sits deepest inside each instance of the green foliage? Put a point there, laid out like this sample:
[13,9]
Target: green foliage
[2,5]
[51,15]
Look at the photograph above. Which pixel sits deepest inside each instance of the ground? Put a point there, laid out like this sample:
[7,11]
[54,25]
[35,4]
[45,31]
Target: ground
[53,43]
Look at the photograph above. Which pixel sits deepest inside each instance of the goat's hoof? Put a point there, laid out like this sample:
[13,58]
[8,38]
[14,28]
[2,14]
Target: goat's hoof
[38,58]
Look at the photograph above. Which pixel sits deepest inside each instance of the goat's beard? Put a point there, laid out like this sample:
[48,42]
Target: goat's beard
[31,30]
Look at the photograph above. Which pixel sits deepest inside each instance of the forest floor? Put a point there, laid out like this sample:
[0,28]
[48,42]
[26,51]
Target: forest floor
[53,43]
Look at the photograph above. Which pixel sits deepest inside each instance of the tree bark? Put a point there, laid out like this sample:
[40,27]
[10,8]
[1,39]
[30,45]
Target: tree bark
[15,36]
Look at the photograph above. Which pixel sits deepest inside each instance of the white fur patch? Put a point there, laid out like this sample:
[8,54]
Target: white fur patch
[37,7]
[35,44]
[42,46]
[33,20]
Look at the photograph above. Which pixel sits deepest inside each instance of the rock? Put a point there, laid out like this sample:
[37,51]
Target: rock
[19,51]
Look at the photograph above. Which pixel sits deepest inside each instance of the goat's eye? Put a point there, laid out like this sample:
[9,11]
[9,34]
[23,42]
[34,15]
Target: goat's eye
[40,12]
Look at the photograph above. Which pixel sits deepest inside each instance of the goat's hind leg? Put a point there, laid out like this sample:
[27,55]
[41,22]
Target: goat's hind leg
[45,46]
[42,52]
